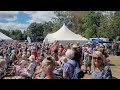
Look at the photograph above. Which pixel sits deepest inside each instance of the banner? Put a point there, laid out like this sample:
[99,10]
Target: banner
[29,40]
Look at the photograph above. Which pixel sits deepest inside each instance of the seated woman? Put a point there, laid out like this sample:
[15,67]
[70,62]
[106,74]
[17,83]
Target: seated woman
[29,71]
[13,57]
[2,68]
[99,70]
[48,65]
[18,68]
[19,57]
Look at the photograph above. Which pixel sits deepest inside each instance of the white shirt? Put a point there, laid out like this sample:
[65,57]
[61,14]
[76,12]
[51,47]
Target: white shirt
[31,67]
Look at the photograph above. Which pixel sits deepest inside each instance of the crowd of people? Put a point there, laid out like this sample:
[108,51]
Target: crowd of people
[55,61]
[115,48]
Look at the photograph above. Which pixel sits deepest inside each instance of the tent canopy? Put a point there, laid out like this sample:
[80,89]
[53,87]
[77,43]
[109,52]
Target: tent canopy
[65,35]
[4,37]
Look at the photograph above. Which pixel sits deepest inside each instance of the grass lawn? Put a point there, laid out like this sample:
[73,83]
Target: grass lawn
[115,66]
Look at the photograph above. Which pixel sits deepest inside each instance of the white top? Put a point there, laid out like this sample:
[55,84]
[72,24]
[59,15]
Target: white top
[31,67]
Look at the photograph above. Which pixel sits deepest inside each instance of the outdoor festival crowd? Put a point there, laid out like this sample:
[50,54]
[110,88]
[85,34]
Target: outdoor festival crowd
[55,61]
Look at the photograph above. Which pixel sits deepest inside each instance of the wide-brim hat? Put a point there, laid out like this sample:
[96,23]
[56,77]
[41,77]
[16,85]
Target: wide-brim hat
[75,46]
[32,58]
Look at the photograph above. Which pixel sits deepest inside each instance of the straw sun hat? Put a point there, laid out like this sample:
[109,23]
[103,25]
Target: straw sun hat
[32,58]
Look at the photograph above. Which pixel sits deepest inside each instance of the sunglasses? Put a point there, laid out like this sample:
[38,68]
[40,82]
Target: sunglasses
[98,58]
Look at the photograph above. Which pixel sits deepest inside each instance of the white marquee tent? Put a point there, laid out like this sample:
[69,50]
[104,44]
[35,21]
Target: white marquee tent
[64,35]
[4,37]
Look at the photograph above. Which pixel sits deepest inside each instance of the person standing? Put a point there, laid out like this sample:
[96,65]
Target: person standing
[113,48]
[78,55]
[56,45]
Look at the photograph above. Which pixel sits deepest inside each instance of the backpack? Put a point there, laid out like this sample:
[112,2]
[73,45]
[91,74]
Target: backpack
[76,71]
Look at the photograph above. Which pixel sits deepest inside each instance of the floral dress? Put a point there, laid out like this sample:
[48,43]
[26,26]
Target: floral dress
[104,74]
[87,59]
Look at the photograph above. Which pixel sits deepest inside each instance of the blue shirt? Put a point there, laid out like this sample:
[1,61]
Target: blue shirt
[67,68]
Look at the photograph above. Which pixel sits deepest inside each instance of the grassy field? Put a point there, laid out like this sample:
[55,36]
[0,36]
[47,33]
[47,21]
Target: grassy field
[115,66]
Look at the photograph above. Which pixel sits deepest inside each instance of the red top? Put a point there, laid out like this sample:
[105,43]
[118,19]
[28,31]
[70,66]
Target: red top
[60,50]
[35,54]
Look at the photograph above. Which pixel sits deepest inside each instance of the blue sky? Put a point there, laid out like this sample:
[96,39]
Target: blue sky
[21,19]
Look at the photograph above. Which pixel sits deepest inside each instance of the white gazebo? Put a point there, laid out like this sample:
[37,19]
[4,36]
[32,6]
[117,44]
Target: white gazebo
[64,35]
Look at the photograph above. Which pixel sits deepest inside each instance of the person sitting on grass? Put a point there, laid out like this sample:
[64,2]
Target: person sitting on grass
[29,71]
[21,65]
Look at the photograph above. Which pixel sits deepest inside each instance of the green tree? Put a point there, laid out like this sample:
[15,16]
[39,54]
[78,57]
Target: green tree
[6,32]
[77,18]
[34,30]
[92,24]
[61,17]
[115,26]
[48,27]
[16,35]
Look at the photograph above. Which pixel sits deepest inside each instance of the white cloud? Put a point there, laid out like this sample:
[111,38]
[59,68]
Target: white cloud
[40,16]
[29,12]
[13,26]
[8,15]
[9,12]
[36,16]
